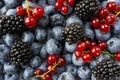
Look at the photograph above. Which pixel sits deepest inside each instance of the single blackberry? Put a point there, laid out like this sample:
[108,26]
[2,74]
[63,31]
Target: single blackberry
[73,33]
[86,9]
[20,53]
[11,24]
[106,70]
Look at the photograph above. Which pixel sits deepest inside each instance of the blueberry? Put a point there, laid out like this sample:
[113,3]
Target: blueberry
[102,36]
[35,48]
[68,58]
[35,62]
[70,47]
[1,77]
[28,73]
[72,69]
[43,66]
[49,9]
[84,72]
[60,70]
[73,19]
[103,4]
[1,69]
[70,10]
[66,76]
[92,77]
[49,33]
[89,33]
[43,53]
[51,2]
[53,46]
[40,34]
[11,12]
[42,3]
[35,78]
[57,31]
[87,25]
[11,76]
[54,77]
[10,68]
[77,61]
[30,4]
[27,37]
[116,29]
[1,3]
[4,9]
[56,19]
[117,1]
[43,22]
[113,45]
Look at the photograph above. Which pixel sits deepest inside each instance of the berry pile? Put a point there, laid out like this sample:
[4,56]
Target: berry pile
[106,17]
[73,33]
[106,70]
[53,62]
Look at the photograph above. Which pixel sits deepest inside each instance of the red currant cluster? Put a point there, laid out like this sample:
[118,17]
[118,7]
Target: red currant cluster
[32,14]
[89,49]
[106,17]
[53,62]
[63,5]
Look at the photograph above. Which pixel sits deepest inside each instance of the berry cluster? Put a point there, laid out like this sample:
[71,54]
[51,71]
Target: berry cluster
[32,14]
[106,17]
[106,70]
[53,62]
[63,5]
[88,49]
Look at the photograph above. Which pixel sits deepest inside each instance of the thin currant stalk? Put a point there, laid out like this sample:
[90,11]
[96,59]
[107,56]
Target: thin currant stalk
[27,7]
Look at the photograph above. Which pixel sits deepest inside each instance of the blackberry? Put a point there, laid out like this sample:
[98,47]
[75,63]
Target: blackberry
[20,53]
[11,24]
[73,33]
[106,70]
[86,9]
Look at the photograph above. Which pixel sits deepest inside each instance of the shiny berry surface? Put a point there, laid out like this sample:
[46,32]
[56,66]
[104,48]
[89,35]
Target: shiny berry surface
[49,67]
[62,61]
[81,46]
[47,77]
[78,54]
[102,45]
[117,56]
[71,2]
[110,19]
[103,12]
[95,22]
[38,72]
[58,5]
[111,6]
[87,57]
[95,51]
[52,58]
[104,28]
[87,43]
[20,10]
[65,9]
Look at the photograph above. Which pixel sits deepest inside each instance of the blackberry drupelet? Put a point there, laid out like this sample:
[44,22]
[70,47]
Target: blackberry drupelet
[73,33]
[106,70]
[20,53]
[11,24]
[86,9]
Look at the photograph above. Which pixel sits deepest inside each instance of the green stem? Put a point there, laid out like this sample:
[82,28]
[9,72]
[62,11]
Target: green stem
[106,52]
[27,7]
[118,13]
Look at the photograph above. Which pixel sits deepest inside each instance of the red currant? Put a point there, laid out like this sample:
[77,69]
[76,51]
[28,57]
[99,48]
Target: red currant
[103,12]
[117,10]
[111,6]
[49,67]
[104,28]
[30,22]
[87,57]
[38,72]
[62,61]
[47,77]
[65,9]
[81,46]
[87,43]
[58,5]
[52,58]
[110,19]
[95,51]
[102,45]
[78,54]
[61,1]
[38,12]
[93,43]
[95,22]
[20,10]
[71,2]
[117,56]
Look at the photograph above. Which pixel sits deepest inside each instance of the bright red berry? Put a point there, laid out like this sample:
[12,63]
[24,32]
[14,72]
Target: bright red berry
[20,10]
[102,45]
[62,61]
[81,46]
[104,28]
[38,12]
[117,56]
[103,12]
[38,72]
[47,77]
[95,51]
[30,22]
[52,58]
[65,9]
[71,2]
[87,43]
[58,5]
[61,1]
[110,19]
[111,6]
[86,57]
[93,43]
[95,22]
[78,54]
[49,67]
